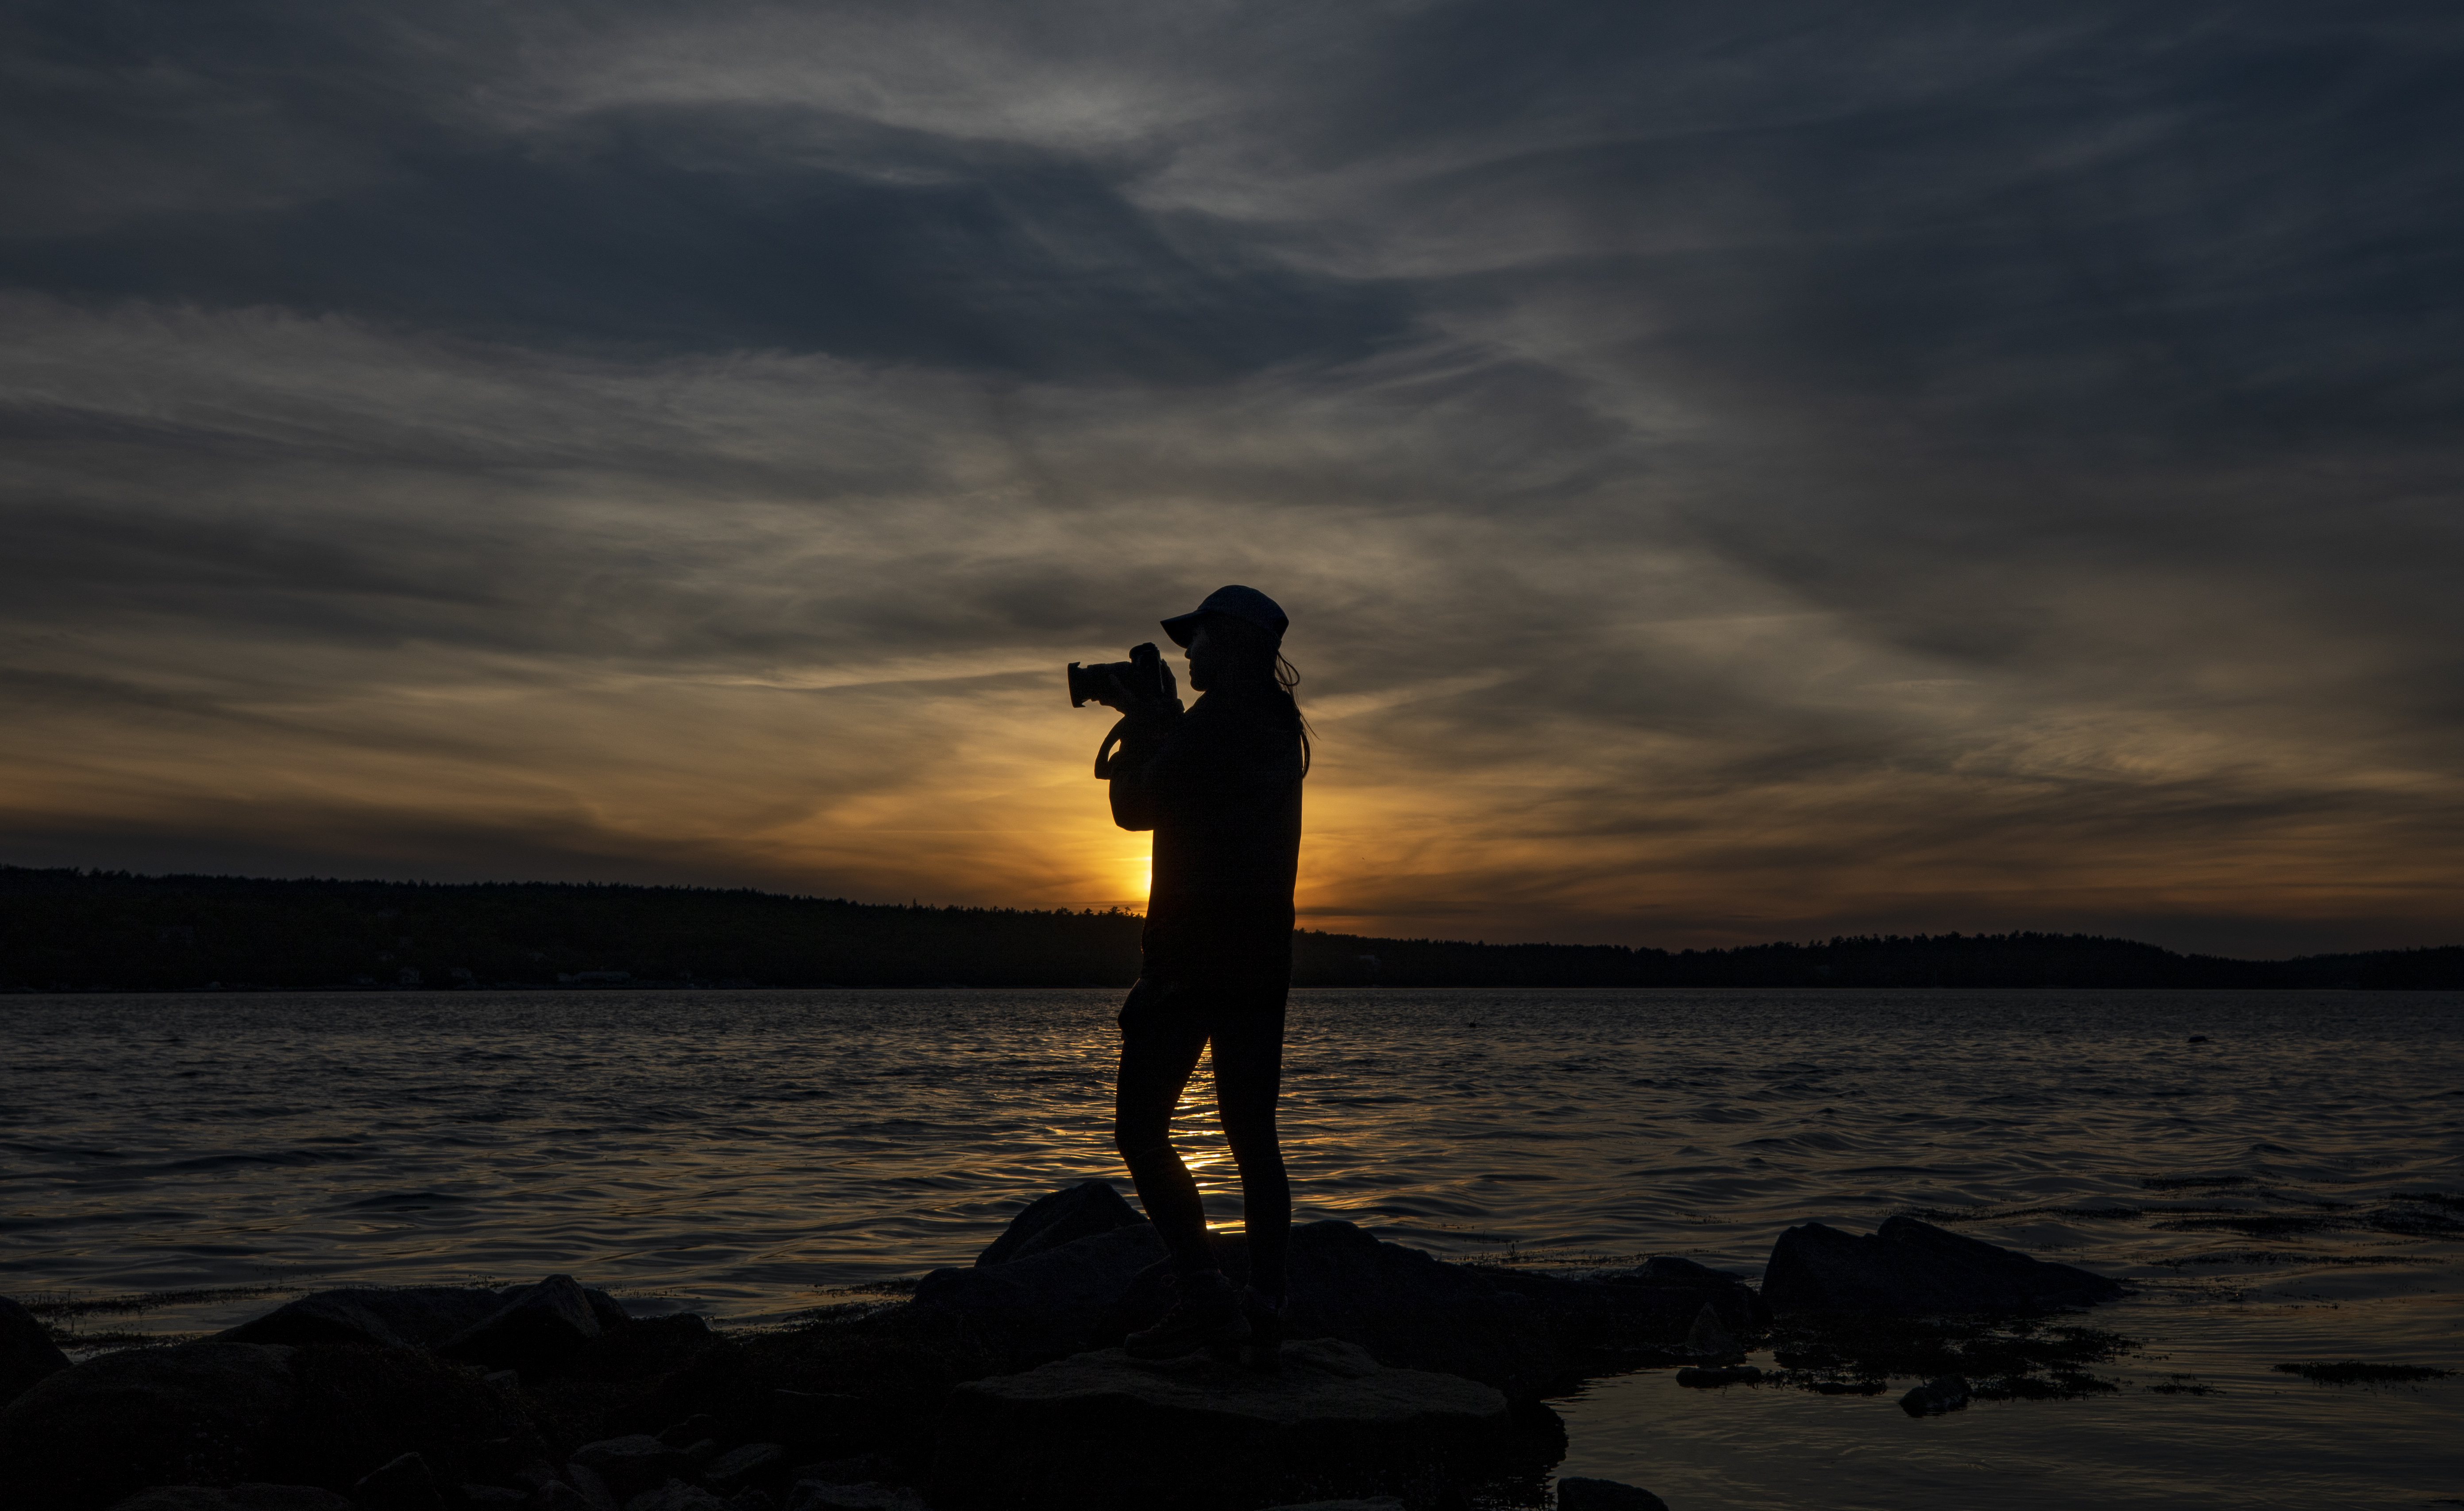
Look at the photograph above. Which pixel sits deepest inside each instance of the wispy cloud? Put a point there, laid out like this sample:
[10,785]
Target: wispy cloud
[1736,472]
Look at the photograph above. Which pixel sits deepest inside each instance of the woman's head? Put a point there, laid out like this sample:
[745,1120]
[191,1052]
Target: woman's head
[1236,656]
[1227,652]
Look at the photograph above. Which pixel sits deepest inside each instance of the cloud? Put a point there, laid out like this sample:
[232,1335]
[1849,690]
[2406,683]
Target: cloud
[1735,474]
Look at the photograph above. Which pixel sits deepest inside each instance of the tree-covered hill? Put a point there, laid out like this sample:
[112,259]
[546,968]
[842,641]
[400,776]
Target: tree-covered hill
[88,930]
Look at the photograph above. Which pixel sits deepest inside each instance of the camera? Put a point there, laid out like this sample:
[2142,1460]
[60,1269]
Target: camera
[1144,674]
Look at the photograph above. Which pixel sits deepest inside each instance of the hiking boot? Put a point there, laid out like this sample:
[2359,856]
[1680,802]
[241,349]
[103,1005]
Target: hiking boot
[1206,1315]
[1265,1316]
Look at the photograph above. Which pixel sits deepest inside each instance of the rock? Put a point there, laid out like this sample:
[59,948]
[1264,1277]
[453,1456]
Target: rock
[180,1416]
[646,1347]
[816,1496]
[1710,1342]
[1666,1269]
[740,1466]
[27,1352]
[1945,1394]
[1197,1432]
[1605,1494]
[359,1407]
[519,1458]
[1733,1374]
[691,1429]
[215,1412]
[800,1419]
[1740,1309]
[1064,1216]
[751,1501]
[630,1465]
[259,1497]
[1372,1503]
[542,1327]
[401,1484]
[591,1488]
[249,1496]
[861,1469]
[1062,1298]
[406,1317]
[610,1312]
[1520,1331]
[1912,1268]
[676,1496]
[475,1497]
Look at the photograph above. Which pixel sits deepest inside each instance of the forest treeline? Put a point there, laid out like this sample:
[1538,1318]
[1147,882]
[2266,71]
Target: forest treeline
[97,930]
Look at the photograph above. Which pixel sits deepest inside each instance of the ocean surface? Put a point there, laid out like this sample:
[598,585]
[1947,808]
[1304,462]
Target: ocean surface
[2263,1167]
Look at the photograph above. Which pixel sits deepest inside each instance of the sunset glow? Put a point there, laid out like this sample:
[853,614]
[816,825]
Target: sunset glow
[1697,528]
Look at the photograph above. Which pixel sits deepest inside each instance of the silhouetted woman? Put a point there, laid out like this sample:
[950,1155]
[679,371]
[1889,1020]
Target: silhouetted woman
[1221,787]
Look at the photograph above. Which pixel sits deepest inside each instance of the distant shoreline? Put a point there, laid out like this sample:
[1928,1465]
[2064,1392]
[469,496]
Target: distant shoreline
[67,931]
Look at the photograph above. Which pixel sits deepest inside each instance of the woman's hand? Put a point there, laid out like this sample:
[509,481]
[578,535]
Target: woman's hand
[1145,710]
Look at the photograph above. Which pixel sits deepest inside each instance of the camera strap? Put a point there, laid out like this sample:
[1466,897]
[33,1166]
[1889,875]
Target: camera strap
[1104,752]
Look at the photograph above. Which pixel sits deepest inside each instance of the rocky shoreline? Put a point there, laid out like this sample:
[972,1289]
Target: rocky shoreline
[1412,1380]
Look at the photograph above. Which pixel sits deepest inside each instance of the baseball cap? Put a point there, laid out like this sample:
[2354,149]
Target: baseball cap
[1233,603]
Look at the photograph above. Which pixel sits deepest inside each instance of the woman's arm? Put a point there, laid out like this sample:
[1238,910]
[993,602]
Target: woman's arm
[1134,793]
[1146,723]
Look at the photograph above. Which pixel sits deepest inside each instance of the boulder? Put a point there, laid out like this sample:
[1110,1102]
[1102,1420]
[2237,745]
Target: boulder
[1605,1494]
[644,1345]
[676,1496]
[691,1429]
[542,1327]
[859,1470]
[1710,1342]
[406,1317]
[215,1412]
[403,1483]
[610,1312]
[592,1490]
[1911,1268]
[27,1352]
[813,1495]
[1204,1434]
[1943,1393]
[1520,1331]
[251,1497]
[811,1419]
[361,1407]
[187,1414]
[1523,1332]
[517,1458]
[1061,1299]
[1064,1216]
[744,1465]
[630,1465]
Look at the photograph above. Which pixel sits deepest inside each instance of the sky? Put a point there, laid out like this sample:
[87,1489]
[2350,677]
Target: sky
[1737,472]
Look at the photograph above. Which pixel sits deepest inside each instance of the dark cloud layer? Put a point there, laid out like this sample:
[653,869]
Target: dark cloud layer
[1738,470]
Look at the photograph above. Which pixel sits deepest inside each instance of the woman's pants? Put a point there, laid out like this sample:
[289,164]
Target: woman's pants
[1165,1025]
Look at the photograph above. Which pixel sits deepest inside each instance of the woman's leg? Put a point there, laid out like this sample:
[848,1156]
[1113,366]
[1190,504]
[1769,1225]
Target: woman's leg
[1248,1077]
[1159,1050]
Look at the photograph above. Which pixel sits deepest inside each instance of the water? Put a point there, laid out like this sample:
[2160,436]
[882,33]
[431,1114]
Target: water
[746,1153]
